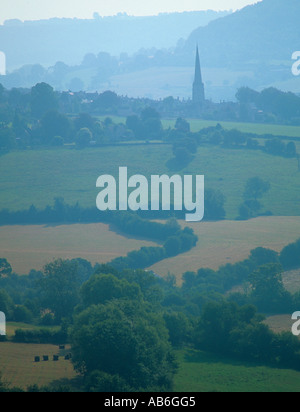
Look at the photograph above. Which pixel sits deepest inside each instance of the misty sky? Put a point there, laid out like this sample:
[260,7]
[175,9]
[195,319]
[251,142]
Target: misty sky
[44,9]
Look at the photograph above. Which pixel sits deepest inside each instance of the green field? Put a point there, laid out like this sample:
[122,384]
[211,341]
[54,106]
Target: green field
[256,128]
[37,177]
[203,372]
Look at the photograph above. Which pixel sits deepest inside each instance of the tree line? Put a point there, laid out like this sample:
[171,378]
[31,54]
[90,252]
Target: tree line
[123,325]
[41,116]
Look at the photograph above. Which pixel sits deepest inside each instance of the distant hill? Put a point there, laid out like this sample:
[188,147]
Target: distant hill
[261,33]
[47,41]
[252,47]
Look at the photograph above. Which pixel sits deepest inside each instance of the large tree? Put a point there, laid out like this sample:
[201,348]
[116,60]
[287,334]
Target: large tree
[43,99]
[124,342]
[60,288]
[268,292]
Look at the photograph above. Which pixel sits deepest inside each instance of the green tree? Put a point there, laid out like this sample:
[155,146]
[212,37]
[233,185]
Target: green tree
[256,188]
[43,100]
[268,292]
[122,339]
[182,125]
[60,288]
[84,137]
[5,268]
[6,304]
[290,255]
[262,256]
[55,124]
[173,246]
[179,328]
[101,288]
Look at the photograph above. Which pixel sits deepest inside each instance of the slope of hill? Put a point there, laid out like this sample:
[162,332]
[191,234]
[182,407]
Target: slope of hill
[263,32]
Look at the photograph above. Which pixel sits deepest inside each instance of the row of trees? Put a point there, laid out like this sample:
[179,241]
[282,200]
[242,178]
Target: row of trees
[261,275]
[175,240]
[277,106]
[235,139]
[39,117]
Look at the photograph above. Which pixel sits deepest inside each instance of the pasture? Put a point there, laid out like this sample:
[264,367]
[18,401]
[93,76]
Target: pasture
[204,372]
[37,177]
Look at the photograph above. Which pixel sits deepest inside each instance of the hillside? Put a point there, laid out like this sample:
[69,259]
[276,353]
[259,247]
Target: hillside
[260,33]
[252,47]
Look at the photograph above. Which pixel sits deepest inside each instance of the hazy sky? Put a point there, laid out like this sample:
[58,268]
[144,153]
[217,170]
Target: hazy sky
[43,9]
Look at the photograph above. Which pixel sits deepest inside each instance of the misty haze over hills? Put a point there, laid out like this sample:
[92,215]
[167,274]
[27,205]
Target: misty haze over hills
[251,47]
[47,41]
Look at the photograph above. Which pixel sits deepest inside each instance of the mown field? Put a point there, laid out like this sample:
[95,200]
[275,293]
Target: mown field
[31,247]
[230,242]
[37,177]
[18,368]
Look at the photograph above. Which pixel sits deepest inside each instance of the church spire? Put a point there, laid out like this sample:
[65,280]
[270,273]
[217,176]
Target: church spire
[198,86]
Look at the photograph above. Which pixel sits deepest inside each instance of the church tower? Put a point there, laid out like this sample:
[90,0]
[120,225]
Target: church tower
[198,85]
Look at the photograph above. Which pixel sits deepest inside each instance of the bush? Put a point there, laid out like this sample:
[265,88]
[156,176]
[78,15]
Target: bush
[22,314]
[290,256]
[41,336]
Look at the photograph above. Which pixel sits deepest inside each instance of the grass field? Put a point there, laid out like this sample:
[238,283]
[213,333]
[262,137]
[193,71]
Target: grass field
[203,372]
[31,247]
[37,177]
[256,128]
[231,242]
